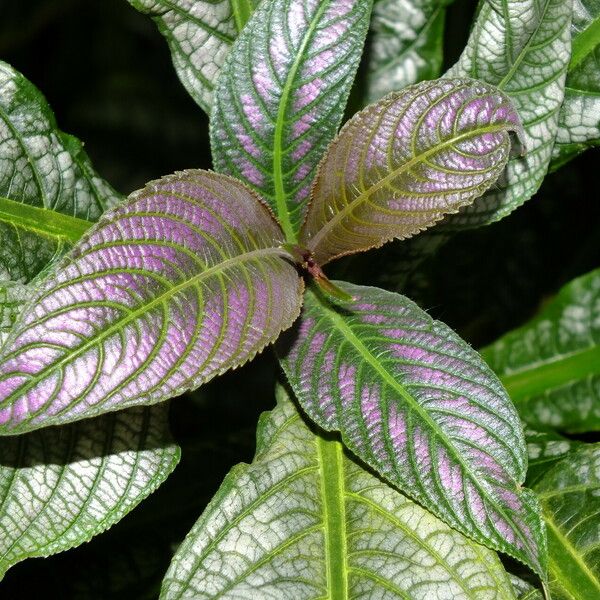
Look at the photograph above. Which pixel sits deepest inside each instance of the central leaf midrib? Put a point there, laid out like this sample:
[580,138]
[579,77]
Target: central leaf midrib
[347,332]
[532,380]
[334,522]
[131,316]
[555,536]
[366,194]
[45,221]
[280,194]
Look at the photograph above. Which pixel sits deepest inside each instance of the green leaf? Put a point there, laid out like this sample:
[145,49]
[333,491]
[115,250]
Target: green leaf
[570,496]
[400,165]
[524,590]
[281,97]
[15,295]
[199,34]
[579,121]
[49,193]
[304,521]
[522,48]
[59,487]
[242,11]
[419,406]
[404,45]
[544,449]
[551,365]
[182,282]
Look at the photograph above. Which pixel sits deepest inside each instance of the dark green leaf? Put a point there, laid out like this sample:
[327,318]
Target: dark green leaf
[551,365]
[570,496]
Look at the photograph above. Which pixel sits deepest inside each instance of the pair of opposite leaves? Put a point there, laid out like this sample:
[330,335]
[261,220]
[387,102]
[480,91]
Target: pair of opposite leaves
[192,276]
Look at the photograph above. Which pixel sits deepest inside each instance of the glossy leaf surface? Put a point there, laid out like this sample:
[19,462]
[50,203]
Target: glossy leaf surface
[419,406]
[304,521]
[551,365]
[523,48]
[282,96]
[579,120]
[49,191]
[570,496]
[181,283]
[403,163]
[59,487]
[200,34]
[404,45]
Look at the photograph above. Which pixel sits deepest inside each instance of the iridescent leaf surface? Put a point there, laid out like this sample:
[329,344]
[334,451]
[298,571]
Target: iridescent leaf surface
[181,283]
[551,365]
[49,191]
[404,45]
[59,487]
[200,34]
[579,119]
[419,406]
[523,48]
[304,521]
[403,163]
[282,94]
[570,496]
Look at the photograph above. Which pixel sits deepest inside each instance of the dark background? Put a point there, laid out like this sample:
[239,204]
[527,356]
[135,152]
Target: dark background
[107,73]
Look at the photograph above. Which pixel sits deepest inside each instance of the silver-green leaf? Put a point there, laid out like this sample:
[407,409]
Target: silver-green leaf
[404,45]
[59,487]
[522,48]
[304,521]
[49,192]
[579,119]
[199,34]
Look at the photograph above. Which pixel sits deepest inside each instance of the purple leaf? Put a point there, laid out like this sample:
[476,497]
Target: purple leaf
[420,406]
[281,97]
[403,163]
[183,282]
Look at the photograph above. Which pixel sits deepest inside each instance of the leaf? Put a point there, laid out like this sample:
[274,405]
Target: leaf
[570,496]
[242,11]
[49,192]
[524,590]
[14,297]
[522,48]
[183,282]
[400,165]
[544,449]
[282,94]
[199,34]
[59,487]
[404,45]
[418,405]
[304,521]
[579,119]
[551,365]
